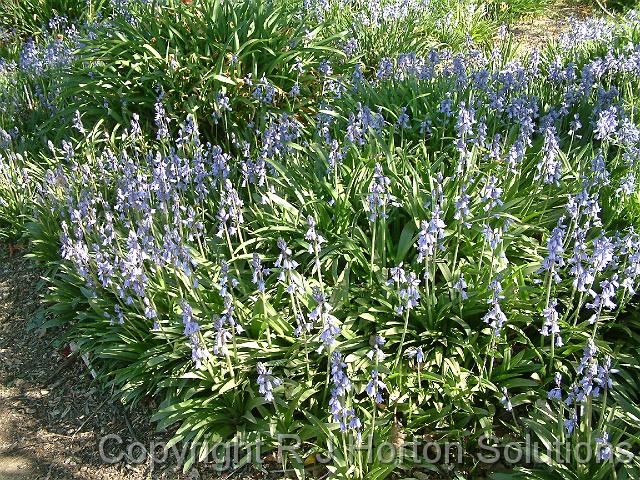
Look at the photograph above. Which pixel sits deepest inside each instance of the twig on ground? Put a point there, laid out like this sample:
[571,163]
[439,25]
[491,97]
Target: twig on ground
[68,361]
[95,412]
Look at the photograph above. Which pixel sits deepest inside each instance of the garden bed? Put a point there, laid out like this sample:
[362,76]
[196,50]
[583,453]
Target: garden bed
[359,226]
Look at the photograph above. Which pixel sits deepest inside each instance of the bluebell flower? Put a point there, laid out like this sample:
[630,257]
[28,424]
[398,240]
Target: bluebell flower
[627,185]
[340,413]
[632,271]
[376,351]
[515,155]
[581,269]
[406,286]
[286,264]
[600,175]
[160,117]
[325,68]
[628,134]
[119,314]
[302,325]
[221,105]
[445,105]
[267,382]
[461,287]
[409,293]
[277,137]
[603,253]
[495,148]
[505,400]
[589,353]
[264,91]
[350,46]
[495,317]
[403,119]
[550,166]
[555,247]
[570,423]
[462,212]
[190,327]
[199,352]
[385,69]
[375,387]
[493,236]
[416,353]
[604,300]
[67,149]
[357,78]
[5,139]
[556,392]
[425,127]
[149,311]
[295,90]
[379,195]
[431,234]
[298,66]
[465,122]
[329,324]
[227,315]
[341,381]
[496,290]
[588,30]
[587,384]
[363,122]
[481,132]
[575,126]
[491,194]
[259,272]
[77,122]
[230,215]
[222,337]
[604,374]
[313,236]
[607,124]
[550,325]
[396,274]
[604,449]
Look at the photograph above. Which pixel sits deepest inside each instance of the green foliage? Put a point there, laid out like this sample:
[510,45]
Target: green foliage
[29,18]
[509,12]
[193,53]
[147,230]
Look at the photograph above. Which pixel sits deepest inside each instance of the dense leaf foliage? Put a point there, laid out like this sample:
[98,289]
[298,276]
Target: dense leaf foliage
[272,224]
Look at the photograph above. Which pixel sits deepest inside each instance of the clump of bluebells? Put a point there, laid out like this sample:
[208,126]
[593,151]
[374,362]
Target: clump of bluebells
[352,269]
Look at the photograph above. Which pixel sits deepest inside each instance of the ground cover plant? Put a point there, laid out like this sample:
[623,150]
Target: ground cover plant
[270,225]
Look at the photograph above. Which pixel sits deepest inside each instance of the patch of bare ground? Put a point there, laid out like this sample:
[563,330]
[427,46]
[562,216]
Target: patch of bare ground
[536,31]
[52,413]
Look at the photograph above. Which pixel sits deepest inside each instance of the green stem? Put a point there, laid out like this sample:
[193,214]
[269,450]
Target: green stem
[305,346]
[373,252]
[427,279]
[603,409]
[266,318]
[404,333]
[229,364]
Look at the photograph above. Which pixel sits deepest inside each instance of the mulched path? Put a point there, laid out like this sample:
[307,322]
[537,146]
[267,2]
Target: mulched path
[534,32]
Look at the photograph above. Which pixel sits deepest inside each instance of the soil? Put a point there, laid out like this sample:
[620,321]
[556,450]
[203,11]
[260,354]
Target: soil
[536,31]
